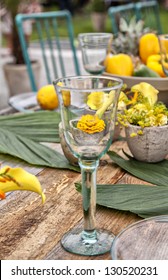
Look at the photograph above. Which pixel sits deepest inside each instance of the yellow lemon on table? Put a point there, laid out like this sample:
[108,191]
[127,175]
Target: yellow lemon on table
[47,98]
[148,45]
[119,64]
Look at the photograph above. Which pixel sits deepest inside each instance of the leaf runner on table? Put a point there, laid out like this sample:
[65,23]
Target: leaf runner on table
[39,126]
[31,151]
[154,173]
[143,200]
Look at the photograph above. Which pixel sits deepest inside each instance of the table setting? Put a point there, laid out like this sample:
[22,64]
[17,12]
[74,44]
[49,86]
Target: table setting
[126,189]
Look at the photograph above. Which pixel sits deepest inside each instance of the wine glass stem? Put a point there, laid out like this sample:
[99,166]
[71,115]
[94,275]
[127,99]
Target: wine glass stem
[88,171]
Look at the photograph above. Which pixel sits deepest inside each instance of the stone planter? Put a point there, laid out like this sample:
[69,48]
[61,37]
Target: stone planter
[152,146]
[17,77]
[67,152]
[81,136]
[117,128]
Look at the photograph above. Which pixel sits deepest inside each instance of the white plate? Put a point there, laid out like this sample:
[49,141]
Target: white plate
[144,240]
[25,102]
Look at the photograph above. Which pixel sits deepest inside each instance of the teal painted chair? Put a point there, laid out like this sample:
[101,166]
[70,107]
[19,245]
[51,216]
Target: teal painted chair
[126,11]
[149,12]
[48,39]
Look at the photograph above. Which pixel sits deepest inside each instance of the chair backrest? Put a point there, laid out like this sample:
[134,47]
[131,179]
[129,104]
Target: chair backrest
[126,11]
[148,11]
[47,29]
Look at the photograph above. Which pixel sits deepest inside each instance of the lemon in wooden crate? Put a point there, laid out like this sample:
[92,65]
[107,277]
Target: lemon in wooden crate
[47,98]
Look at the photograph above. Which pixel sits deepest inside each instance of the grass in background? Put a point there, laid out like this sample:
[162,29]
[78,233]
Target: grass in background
[164,19]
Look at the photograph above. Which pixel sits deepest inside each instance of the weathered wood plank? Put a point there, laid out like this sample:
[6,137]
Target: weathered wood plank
[30,230]
[7,111]
[33,227]
[111,220]
[6,160]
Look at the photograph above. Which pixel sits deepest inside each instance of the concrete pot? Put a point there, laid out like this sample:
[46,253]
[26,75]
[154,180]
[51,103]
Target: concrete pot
[152,146]
[117,128]
[79,136]
[17,77]
[67,152]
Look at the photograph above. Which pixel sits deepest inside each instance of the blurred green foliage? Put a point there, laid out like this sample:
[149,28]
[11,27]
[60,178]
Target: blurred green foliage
[82,22]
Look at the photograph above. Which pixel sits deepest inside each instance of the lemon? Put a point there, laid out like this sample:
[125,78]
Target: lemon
[47,98]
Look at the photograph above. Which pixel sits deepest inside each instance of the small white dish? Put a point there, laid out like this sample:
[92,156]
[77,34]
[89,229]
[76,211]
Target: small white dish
[25,102]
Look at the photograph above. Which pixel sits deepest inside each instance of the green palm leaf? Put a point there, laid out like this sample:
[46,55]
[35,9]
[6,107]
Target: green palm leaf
[31,151]
[39,126]
[154,173]
[145,201]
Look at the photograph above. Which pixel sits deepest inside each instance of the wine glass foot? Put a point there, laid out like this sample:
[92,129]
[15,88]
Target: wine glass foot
[75,241]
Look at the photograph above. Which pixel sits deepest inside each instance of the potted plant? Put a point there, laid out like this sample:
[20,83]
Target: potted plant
[16,70]
[146,123]
[98,14]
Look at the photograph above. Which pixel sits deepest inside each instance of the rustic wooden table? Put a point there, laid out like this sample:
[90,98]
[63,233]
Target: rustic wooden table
[30,230]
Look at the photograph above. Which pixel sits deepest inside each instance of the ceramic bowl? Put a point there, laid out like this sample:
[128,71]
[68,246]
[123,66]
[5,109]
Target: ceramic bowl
[67,152]
[161,84]
[151,146]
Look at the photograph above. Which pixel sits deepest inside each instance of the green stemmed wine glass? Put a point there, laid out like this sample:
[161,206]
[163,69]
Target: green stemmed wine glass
[88,133]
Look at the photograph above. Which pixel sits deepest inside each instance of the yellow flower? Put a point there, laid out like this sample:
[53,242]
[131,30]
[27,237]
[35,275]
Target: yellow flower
[123,101]
[14,179]
[91,124]
[2,194]
[148,91]
[140,132]
[108,102]
[96,99]
[133,134]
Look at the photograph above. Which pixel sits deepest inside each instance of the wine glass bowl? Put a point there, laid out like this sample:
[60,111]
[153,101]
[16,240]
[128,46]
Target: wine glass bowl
[88,133]
[163,41]
[94,47]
